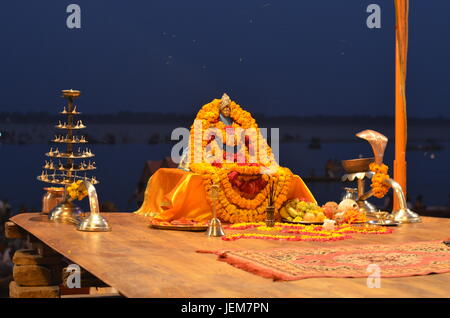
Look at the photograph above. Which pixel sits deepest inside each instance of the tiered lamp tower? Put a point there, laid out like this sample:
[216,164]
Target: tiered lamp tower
[68,165]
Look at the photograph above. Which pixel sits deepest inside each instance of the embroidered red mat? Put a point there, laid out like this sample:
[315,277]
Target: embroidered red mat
[400,260]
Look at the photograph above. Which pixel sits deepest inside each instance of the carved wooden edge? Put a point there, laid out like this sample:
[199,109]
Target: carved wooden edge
[86,279]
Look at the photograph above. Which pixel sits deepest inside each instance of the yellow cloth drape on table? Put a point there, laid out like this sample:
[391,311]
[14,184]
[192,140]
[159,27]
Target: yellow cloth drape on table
[174,193]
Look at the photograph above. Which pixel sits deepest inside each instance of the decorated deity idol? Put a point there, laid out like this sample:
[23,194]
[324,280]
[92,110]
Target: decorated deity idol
[226,148]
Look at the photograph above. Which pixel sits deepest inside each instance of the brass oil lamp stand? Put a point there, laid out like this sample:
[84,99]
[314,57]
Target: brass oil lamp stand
[64,172]
[378,143]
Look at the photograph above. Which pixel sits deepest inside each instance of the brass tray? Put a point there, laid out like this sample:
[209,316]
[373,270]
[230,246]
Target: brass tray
[302,222]
[314,222]
[357,165]
[181,227]
[383,223]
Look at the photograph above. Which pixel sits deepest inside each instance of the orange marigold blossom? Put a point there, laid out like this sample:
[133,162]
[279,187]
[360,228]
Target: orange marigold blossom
[302,232]
[231,206]
[379,187]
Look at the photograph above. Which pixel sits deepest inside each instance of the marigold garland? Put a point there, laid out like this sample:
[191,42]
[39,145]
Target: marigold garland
[332,237]
[379,187]
[300,232]
[77,190]
[203,154]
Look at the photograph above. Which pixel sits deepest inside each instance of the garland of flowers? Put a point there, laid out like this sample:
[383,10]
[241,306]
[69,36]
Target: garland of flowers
[231,205]
[379,187]
[208,115]
[77,190]
[234,196]
[301,232]
[331,237]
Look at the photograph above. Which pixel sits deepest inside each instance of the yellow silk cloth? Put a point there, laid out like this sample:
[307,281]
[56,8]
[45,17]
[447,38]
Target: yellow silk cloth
[174,193]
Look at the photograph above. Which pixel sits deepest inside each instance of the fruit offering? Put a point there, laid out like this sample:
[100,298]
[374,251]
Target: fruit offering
[347,211]
[296,210]
[330,209]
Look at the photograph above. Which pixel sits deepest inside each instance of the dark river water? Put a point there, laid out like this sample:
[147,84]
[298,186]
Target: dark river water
[120,166]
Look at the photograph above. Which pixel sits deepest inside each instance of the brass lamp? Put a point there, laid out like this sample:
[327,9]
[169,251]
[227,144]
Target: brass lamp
[94,222]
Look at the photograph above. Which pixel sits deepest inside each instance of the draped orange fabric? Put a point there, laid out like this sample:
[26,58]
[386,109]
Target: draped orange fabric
[174,193]
[401,52]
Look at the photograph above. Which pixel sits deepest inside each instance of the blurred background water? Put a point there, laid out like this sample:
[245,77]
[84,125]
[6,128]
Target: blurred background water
[120,167]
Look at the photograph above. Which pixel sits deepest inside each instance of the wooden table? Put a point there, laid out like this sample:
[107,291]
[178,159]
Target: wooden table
[143,262]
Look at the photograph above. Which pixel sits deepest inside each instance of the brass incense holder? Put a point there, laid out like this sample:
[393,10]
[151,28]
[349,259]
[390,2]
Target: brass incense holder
[270,209]
[270,216]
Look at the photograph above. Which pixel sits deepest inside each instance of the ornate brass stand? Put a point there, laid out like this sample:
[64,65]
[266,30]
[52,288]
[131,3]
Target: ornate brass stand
[94,222]
[361,200]
[65,171]
[378,143]
[66,212]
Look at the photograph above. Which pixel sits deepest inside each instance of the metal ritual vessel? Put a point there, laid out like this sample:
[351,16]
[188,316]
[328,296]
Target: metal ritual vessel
[270,216]
[360,192]
[94,222]
[270,209]
[378,143]
[215,226]
[66,212]
[70,164]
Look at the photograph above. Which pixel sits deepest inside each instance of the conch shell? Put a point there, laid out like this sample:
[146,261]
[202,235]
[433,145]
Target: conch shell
[377,141]
[347,204]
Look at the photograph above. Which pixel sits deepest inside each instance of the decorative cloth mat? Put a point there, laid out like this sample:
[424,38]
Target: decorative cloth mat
[395,260]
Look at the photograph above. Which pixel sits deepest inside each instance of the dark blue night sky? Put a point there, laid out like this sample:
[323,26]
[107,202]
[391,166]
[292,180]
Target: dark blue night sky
[272,56]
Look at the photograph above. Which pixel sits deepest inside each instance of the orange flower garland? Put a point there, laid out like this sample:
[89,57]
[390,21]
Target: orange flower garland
[300,232]
[379,188]
[231,205]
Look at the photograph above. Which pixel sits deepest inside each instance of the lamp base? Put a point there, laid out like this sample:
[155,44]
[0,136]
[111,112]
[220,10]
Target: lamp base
[66,212]
[94,223]
[406,216]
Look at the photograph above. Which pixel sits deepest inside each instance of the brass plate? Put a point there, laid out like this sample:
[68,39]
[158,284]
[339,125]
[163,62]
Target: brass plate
[191,228]
[302,222]
[385,223]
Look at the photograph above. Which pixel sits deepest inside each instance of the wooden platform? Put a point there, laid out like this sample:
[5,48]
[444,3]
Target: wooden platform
[143,262]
